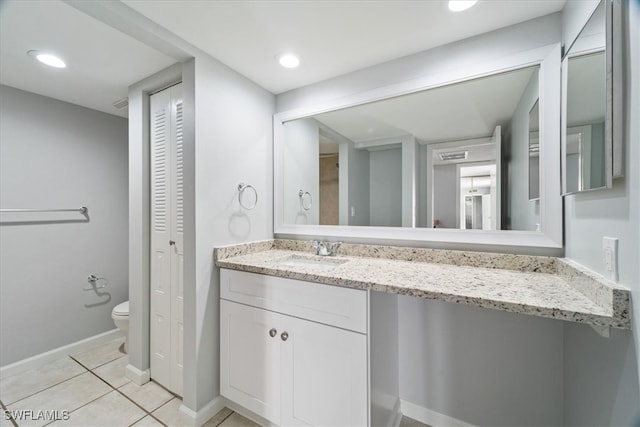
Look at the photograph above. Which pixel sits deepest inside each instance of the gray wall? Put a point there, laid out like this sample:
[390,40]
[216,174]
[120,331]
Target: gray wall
[444,195]
[58,155]
[521,211]
[385,188]
[600,378]
[481,366]
[301,171]
[227,151]
[615,213]
[358,184]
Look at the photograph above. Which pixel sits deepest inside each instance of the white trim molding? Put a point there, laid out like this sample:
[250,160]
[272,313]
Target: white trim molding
[397,414]
[429,417]
[138,376]
[42,359]
[247,413]
[196,419]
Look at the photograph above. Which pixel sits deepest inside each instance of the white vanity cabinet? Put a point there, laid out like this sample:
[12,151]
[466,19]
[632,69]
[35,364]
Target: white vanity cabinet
[250,359]
[294,352]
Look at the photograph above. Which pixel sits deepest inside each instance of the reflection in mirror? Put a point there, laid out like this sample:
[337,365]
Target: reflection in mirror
[585,144]
[478,203]
[534,152]
[455,156]
[465,176]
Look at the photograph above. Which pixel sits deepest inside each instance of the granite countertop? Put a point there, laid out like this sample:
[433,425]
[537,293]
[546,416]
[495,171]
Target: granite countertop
[540,286]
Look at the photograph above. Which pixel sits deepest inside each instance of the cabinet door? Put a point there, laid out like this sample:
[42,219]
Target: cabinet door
[324,375]
[250,358]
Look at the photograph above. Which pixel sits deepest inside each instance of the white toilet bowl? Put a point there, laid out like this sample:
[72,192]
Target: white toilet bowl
[120,316]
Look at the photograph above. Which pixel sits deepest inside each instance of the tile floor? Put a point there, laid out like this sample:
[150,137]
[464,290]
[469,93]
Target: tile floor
[91,389]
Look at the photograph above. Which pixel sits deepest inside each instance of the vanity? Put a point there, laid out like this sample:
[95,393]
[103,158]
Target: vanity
[290,349]
[443,208]
[302,332]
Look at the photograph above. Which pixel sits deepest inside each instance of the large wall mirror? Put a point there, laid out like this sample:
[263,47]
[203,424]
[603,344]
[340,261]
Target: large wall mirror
[590,153]
[457,161]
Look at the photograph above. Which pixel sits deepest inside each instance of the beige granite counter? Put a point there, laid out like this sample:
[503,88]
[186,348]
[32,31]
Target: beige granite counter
[540,286]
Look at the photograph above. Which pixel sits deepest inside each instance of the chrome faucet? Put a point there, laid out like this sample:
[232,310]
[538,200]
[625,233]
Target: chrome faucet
[324,248]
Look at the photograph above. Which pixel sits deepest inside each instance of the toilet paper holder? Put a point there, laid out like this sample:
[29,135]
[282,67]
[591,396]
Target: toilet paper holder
[93,281]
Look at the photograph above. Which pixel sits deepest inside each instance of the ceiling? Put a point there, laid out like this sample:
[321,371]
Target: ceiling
[101,61]
[331,38]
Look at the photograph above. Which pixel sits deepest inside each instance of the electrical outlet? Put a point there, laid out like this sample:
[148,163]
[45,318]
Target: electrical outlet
[610,254]
[353,211]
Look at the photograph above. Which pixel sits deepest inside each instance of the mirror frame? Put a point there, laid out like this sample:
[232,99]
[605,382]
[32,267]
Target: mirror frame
[614,148]
[551,234]
[534,197]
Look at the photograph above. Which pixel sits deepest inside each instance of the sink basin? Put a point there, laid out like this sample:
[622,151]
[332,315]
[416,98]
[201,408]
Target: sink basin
[315,262]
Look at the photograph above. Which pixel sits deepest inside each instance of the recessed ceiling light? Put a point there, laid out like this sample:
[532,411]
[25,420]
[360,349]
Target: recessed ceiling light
[47,58]
[288,60]
[460,5]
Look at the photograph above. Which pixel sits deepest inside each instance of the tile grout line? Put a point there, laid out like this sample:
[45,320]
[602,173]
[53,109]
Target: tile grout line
[4,409]
[65,380]
[112,387]
[91,401]
[51,386]
[225,419]
[100,365]
[121,393]
[79,407]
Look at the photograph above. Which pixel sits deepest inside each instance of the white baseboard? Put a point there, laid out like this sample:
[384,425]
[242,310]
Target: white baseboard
[197,419]
[397,414]
[136,375]
[432,418]
[247,414]
[42,359]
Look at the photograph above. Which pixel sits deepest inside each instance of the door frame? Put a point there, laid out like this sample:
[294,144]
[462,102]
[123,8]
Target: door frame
[138,369]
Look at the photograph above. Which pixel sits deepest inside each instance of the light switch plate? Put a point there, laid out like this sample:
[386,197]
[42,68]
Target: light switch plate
[610,257]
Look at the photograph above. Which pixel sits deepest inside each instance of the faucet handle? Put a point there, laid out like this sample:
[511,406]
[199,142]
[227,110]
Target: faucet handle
[333,248]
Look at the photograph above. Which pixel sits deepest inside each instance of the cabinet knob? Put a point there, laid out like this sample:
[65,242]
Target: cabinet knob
[284,336]
[272,332]
[172,242]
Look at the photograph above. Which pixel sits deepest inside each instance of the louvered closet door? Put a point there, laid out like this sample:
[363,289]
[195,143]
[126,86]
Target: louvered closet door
[166,238]
[177,232]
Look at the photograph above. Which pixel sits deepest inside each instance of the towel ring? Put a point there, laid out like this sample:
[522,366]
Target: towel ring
[241,187]
[301,195]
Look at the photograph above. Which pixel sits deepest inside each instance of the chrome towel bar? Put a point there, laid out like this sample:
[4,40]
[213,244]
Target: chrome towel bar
[83,210]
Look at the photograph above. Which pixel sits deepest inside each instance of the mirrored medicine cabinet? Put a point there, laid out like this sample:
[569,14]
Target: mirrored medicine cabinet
[591,145]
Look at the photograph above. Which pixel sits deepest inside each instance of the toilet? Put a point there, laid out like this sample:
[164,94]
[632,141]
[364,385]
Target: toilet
[120,316]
